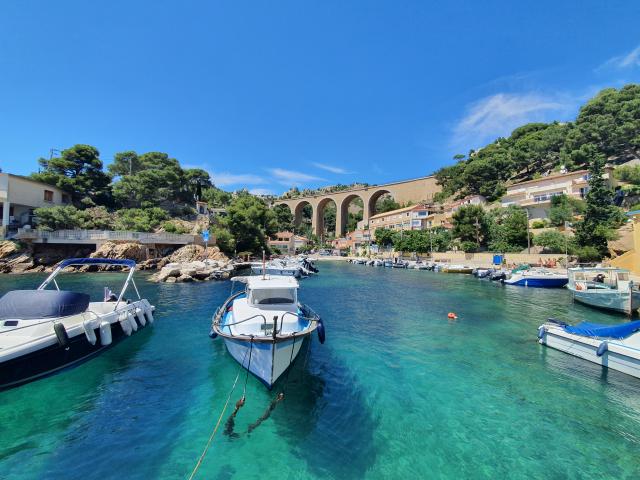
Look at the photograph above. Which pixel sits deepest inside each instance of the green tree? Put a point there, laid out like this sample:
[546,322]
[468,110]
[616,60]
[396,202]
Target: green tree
[383,237]
[600,213]
[125,163]
[564,209]
[628,173]
[508,229]
[216,197]
[140,219]
[78,171]
[552,241]
[250,223]
[284,217]
[470,225]
[386,203]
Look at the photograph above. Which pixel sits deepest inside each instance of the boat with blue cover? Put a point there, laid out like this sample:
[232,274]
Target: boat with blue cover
[45,330]
[608,288]
[538,278]
[264,325]
[614,346]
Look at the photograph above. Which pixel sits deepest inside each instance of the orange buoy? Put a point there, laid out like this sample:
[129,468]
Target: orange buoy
[452,315]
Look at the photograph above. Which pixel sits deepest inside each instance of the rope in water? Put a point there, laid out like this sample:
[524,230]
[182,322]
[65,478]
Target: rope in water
[215,429]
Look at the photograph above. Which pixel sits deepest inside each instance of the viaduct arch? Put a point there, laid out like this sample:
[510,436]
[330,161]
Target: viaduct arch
[417,190]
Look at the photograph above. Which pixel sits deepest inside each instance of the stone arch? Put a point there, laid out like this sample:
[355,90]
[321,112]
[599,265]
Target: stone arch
[371,204]
[343,212]
[318,215]
[297,212]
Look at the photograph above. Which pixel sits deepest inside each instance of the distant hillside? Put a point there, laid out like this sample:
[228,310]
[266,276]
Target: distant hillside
[608,125]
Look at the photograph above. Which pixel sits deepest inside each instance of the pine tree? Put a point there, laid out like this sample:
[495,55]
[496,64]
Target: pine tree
[600,214]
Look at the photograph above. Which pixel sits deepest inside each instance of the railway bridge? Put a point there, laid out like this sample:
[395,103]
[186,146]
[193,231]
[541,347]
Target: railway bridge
[416,190]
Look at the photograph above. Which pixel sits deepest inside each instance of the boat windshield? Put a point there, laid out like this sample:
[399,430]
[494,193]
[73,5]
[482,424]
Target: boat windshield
[273,296]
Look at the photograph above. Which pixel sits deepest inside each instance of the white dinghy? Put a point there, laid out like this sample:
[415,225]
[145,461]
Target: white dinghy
[43,331]
[613,346]
[264,326]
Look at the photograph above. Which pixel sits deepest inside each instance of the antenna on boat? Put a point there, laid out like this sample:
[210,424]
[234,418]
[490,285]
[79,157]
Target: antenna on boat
[263,265]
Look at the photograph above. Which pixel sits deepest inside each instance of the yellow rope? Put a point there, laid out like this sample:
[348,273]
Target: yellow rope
[206,448]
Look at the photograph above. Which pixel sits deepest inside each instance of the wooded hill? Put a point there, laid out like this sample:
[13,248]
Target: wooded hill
[608,125]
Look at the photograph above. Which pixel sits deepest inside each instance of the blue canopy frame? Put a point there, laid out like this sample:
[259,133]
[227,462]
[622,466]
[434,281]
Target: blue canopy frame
[96,261]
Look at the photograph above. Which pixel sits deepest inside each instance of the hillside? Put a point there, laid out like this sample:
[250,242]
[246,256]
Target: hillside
[608,125]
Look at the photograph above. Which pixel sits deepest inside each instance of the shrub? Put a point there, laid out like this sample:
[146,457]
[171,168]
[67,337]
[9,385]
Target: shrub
[588,254]
[538,224]
[551,241]
[140,219]
[469,247]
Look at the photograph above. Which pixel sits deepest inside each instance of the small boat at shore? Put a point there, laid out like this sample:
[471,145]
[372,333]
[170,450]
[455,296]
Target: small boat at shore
[264,325]
[537,277]
[43,331]
[457,269]
[614,346]
[608,288]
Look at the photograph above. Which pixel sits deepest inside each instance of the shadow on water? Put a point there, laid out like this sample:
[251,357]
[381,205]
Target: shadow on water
[324,416]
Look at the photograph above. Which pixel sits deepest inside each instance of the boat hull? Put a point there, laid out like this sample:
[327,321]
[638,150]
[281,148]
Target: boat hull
[538,282]
[54,358]
[608,300]
[266,360]
[617,357]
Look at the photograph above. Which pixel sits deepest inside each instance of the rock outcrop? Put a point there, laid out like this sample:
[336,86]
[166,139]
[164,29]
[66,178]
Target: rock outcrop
[120,251]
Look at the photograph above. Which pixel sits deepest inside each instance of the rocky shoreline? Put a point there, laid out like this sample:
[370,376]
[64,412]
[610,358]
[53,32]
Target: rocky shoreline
[190,263]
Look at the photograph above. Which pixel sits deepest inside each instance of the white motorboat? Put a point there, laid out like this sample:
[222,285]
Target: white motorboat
[613,346]
[43,331]
[378,263]
[604,287]
[277,267]
[537,277]
[264,326]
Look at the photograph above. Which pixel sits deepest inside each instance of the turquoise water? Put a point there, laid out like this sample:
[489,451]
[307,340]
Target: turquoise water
[398,391]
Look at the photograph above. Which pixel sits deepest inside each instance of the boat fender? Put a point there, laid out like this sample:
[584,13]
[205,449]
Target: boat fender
[541,332]
[149,314]
[321,332]
[89,332]
[213,334]
[132,321]
[126,325]
[141,318]
[61,333]
[604,346]
[105,333]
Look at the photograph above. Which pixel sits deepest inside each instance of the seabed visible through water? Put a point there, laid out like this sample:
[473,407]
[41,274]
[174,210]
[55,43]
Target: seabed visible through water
[397,391]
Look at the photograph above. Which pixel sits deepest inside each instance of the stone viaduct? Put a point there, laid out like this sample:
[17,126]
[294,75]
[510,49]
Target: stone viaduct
[417,190]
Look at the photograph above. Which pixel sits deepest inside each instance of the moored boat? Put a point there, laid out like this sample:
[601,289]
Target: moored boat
[43,331]
[539,278]
[457,269]
[264,325]
[613,346]
[608,288]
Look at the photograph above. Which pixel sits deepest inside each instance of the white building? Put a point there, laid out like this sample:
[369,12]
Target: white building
[19,196]
[535,195]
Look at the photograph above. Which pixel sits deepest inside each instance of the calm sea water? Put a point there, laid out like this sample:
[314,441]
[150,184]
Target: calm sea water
[398,391]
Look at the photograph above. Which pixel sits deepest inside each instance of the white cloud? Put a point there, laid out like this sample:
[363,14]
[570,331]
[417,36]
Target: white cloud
[628,60]
[261,191]
[498,115]
[290,177]
[225,179]
[329,168]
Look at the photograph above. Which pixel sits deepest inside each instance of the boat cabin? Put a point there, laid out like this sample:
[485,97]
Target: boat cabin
[267,291]
[598,278]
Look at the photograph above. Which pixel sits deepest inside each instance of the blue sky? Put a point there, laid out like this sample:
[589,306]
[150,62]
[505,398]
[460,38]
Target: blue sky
[265,95]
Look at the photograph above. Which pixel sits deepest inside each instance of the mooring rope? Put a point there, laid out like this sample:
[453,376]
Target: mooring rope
[215,429]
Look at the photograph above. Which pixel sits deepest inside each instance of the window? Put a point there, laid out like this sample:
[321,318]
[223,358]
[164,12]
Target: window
[546,196]
[273,296]
[48,196]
